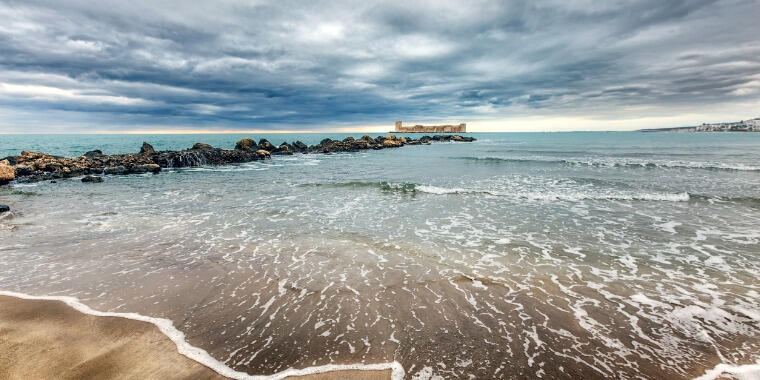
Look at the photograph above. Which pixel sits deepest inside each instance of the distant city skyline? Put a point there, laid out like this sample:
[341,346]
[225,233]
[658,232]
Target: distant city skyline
[342,66]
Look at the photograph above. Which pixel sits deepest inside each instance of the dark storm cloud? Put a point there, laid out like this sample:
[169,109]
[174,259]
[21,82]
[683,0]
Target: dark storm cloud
[78,65]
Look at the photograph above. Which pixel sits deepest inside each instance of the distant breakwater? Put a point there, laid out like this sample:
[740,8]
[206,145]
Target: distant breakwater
[35,167]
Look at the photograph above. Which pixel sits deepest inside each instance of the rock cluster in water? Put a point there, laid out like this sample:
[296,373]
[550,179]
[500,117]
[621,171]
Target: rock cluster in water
[34,166]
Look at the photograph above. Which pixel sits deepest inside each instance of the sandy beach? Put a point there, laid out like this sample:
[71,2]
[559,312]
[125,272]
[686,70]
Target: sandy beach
[43,339]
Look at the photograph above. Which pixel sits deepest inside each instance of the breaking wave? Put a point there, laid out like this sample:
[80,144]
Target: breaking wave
[620,164]
[413,188]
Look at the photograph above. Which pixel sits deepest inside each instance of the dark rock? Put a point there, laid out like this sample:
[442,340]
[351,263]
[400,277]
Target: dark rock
[246,144]
[264,144]
[202,146]
[53,181]
[10,159]
[147,168]
[298,146]
[4,208]
[93,153]
[93,179]
[462,138]
[284,149]
[147,148]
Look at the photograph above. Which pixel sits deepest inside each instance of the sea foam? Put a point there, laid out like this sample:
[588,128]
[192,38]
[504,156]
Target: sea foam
[200,355]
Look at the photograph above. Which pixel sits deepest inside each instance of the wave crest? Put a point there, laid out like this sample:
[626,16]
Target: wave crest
[620,164]
[413,188]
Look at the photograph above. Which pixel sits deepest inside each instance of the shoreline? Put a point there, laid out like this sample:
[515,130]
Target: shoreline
[53,316]
[146,347]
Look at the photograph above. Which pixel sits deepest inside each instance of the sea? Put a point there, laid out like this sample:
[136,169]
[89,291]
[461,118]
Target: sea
[592,255]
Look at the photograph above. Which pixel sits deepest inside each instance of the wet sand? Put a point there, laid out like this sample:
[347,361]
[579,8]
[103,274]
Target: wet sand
[49,340]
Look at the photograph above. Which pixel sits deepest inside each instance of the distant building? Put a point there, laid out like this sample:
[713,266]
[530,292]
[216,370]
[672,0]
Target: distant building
[752,125]
[461,128]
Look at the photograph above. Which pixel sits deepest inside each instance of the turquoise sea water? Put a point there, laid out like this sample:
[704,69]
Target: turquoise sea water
[554,255]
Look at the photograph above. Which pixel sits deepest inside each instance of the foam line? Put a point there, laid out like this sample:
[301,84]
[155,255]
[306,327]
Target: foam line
[200,355]
[741,372]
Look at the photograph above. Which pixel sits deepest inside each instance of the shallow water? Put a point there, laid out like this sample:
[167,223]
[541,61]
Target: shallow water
[553,255]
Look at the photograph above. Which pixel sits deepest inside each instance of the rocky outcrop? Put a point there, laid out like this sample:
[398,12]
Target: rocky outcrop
[93,153]
[264,144]
[246,144]
[7,173]
[300,147]
[284,148]
[35,166]
[93,179]
[147,149]
[4,208]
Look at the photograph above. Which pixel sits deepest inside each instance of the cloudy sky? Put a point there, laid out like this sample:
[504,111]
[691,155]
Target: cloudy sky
[84,66]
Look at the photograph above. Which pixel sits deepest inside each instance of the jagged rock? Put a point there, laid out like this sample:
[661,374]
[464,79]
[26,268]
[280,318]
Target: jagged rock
[93,154]
[264,144]
[392,143]
[299,146]
[284,149]
[202,146]
[23,170]
[246,144]
[4,208]
[7,173]
[90,178]
[147,148]
[261,153]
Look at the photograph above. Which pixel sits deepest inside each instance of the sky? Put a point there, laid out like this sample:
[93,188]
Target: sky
[231,66]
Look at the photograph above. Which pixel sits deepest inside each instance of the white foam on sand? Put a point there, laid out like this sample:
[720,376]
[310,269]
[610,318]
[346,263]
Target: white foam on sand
[740,372]
[200,355]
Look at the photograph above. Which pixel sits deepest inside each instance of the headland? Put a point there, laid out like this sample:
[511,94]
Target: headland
[750,125]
